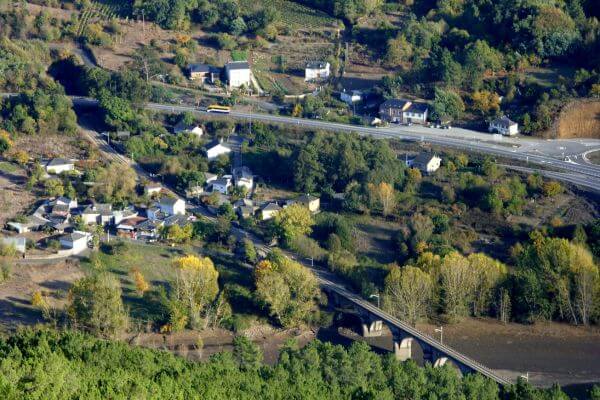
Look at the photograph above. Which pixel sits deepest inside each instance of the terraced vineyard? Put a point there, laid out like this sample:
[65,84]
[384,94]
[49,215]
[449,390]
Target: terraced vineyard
[96,11]
[294,15]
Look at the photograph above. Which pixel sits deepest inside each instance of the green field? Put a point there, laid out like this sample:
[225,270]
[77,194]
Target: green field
[154,261]
[293,15]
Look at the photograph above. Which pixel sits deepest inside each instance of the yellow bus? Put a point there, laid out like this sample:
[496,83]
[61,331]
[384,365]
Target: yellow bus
[218,109]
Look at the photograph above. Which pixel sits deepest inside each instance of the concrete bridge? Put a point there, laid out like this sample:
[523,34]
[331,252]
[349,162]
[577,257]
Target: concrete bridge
[374,319]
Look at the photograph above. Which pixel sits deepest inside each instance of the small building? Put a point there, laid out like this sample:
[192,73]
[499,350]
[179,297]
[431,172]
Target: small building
[18,243]
[152,189]
[313,203]
[317,71]
[209,177]
[182,127]
[172,206]
[245,211]
[351,97]
[403,111]
[237,74]
[203,72]
[222,184]
[66,201]
[270,210]
[59,165]
[97,213]
[128,226]
[425,162]
[216,148]
[243,177]
[154,213]
[31,223]
[194,191]
[76,241]
[504,125]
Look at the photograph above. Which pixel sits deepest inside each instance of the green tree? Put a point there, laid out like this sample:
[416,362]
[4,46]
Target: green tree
[408,293]
[447,105]
[247,354]
[293,221]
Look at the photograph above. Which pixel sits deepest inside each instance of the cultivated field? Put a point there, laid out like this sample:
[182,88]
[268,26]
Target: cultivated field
[579,119]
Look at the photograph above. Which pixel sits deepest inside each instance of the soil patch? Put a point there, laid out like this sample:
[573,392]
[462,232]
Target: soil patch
[14,199]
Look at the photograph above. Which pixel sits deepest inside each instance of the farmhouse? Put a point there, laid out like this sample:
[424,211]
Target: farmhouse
[403,111]
[216,148]
[203,73]
[222,184]
[182,127]
[317,70]
[172,206]
[270,210]
[504,126]
[313,203]
[59,165]
[76,241]
[243,177]
[238,74]
[425,162]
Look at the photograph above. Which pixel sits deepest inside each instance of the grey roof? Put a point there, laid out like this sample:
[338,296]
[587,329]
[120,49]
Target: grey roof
[62,199]
[60,208]
[199,68]
[91,210]
[394,103]
[423,158]
[272,207]
[246,210]
[504,121]
[181,126]
[221,181]
[74,236]
[242,172]
[237,65]
[419,108]
[168,201]
[180,220]
[213,143]
[243,203]
[306,198]
[58,161]
[316,64]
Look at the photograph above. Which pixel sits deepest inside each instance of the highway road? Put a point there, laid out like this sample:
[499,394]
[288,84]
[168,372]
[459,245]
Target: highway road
[545,154]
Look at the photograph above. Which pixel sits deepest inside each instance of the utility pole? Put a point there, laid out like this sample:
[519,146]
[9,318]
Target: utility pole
[441,331]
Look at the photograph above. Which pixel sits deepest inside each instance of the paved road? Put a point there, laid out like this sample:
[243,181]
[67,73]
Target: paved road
[548,154]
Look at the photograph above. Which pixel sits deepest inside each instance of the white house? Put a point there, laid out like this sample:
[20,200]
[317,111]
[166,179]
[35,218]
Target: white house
[317,70]
[237,74]
[172,206]
[76,241]
[504,126]
[18,243]
[243,177]
[270,210]
[59,165]
[425,162]
[351,97]
[222,184]
[403,111]
[216,148]
[64,201]
[151,189]
[313,203]
[182,127]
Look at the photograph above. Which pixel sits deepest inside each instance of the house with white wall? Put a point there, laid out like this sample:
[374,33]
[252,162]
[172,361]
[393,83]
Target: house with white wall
[504,126]
[237,74]
[317,71]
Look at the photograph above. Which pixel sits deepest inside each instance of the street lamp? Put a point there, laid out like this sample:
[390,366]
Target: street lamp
[441,331]
[378,298]
[312,261]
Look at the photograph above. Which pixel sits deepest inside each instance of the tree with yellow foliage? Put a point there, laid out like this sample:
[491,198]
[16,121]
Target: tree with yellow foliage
[407,294]
[21,157]
[195,287]
[38,300]
[293,221]
[5,141]
[485,102]
[141,285]
[385,195]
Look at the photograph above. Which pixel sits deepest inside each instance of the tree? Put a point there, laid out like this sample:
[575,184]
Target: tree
[457,283]
[293,221]
[407,294]
[141,285]
[248,250]
[488,274]
[385,195]
[247,354]
[399,50]
[96,306]
[195,286]
[447,105]
[5,141]
[178,234]
[54,187]
[288,289]
[552,188]
[485,102]
[114,184]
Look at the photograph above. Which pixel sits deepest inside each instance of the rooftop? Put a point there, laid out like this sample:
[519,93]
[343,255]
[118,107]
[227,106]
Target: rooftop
[504,121]
[316,65]
[424,158]
[237,65]
[59,161]
[272,207]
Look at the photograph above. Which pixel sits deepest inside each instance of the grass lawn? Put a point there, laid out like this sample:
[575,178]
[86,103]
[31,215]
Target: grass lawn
[293,14]
[154,262]
[8,168]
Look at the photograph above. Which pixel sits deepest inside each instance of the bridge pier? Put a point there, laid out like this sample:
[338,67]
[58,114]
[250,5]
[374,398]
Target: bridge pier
[372,328]
[403,348]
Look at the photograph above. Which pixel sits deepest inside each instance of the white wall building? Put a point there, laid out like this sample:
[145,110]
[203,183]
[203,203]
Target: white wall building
[238,74]
[222,184]
[425,162]
[243,177]
[318,70]
[172,206]
[504,126]
[215,149]
[76,241]
[59,165]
